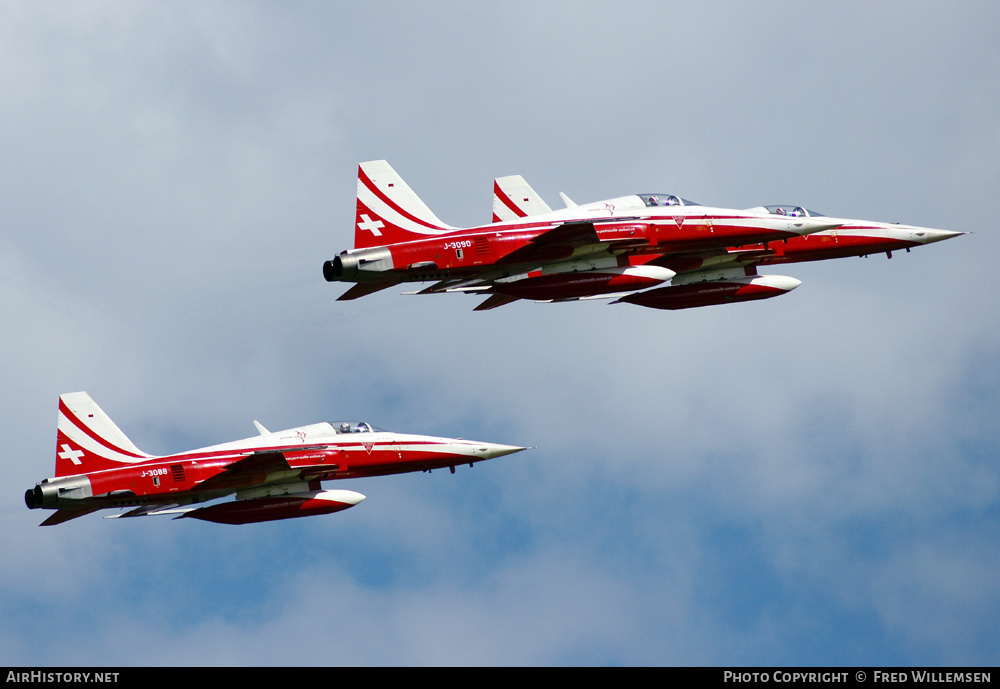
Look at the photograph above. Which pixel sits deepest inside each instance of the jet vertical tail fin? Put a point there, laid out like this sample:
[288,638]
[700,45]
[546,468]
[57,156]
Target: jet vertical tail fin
[514,198]
[88,440]
[388,211]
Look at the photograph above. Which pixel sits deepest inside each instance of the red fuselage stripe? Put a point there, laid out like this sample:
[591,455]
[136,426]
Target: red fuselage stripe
[234,453]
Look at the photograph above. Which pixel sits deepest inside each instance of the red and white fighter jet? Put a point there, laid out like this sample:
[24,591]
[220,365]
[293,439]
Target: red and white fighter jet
[274,475]
[596,248]
[716,276]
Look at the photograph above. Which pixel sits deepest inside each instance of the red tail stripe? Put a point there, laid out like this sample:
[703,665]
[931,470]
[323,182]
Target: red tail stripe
[386,200]
[505,200]
[72,418]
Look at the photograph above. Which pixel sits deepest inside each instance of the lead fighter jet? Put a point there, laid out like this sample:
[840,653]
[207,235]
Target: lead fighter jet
[607,246]
[704,278]
[274,475]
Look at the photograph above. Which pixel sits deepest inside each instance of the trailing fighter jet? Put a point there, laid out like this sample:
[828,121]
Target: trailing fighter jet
[703,278]
[581,250]
[274,475]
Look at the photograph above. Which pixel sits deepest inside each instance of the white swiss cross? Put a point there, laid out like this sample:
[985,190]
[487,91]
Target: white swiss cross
[71,454]
[371,225]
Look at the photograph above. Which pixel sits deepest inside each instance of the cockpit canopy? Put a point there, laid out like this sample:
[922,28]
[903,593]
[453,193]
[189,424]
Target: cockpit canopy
[652,200]
[793,211]
[354,427]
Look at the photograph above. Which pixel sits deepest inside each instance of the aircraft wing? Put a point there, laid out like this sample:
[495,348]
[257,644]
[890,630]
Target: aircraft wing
[251,470]
[563,241]
[156,508]
[559,242]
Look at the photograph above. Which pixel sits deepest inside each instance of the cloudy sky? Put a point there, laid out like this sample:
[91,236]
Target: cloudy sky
[807,480]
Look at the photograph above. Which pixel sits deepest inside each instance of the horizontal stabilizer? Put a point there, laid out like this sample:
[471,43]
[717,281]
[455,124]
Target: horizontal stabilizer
[364,288]
[494,301]
[64,515]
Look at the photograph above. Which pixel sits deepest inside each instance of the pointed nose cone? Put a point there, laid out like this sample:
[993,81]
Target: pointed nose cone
[926,235]
[491,450]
